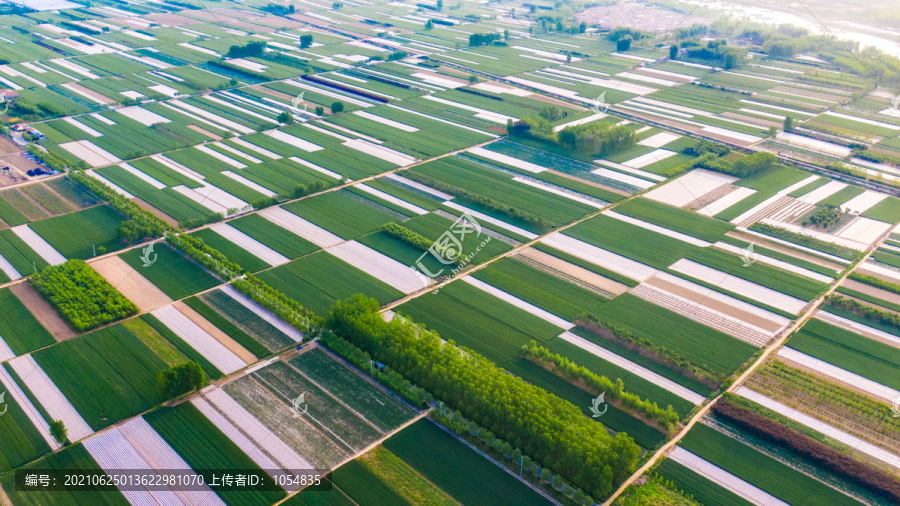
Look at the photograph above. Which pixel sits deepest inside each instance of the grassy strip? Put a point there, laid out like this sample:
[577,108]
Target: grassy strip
[656,492]
[362,486]
[250,344]
[20,441]
[279,239]
[869,298]
[172,273]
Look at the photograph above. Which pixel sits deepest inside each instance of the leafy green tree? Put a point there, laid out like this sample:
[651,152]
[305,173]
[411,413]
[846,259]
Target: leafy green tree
[337,107]
[730,61]
[673,51]
[58,431]
[180,379]
[788,123]
[320,110]
[624,44]
[440,5]
[286,118]
[429,25]
[306,41]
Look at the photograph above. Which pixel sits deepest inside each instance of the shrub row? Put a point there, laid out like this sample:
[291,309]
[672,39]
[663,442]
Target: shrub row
[387,377]
[805,240]
[278,303]
[648,349]
[799,444]
[345,88]
[596,383]
[81,295]
[204,255]
[876,282]
[148,222]
[866,311]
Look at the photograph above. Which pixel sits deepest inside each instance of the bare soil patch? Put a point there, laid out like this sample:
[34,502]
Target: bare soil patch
[214,331]
[576,273]
[129,281]
[103,99]
[716,305]
[42,311]
[205,132]
[870,290]
[590,183]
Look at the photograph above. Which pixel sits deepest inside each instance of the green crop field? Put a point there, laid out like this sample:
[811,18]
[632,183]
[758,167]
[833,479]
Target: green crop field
[479,321]
[636,243]
[404,480]
[537,287]
[204,446]
[107,375]
[71,459]
[759,273]
[855,353]
[339,214]
[18,327]
[457,469]
[702,345]
[20,441]
[274,236]
[760,470]
[172,273]
[181,346]
[76,235]
[19,254]
[673,218]
[317,280]
[363,487]
[703,490]
[235,253]
[246,320]
[383,410]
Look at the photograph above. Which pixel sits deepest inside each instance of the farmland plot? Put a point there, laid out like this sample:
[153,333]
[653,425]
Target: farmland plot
[76,235]
[252,318]
[336,421]
[218,353]
[107,375]
[277,416]
[172,272]
[470,478]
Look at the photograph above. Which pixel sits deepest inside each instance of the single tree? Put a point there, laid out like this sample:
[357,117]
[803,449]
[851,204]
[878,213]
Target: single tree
[440,5]
[429,25]
[623,44]
[788,123]
[505,34]
[337,107]
[306,41]
[568,56]
[180,379]
[673,51]
[58,431]
[286,118]
[473,79]
[730,61]
[320,110]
